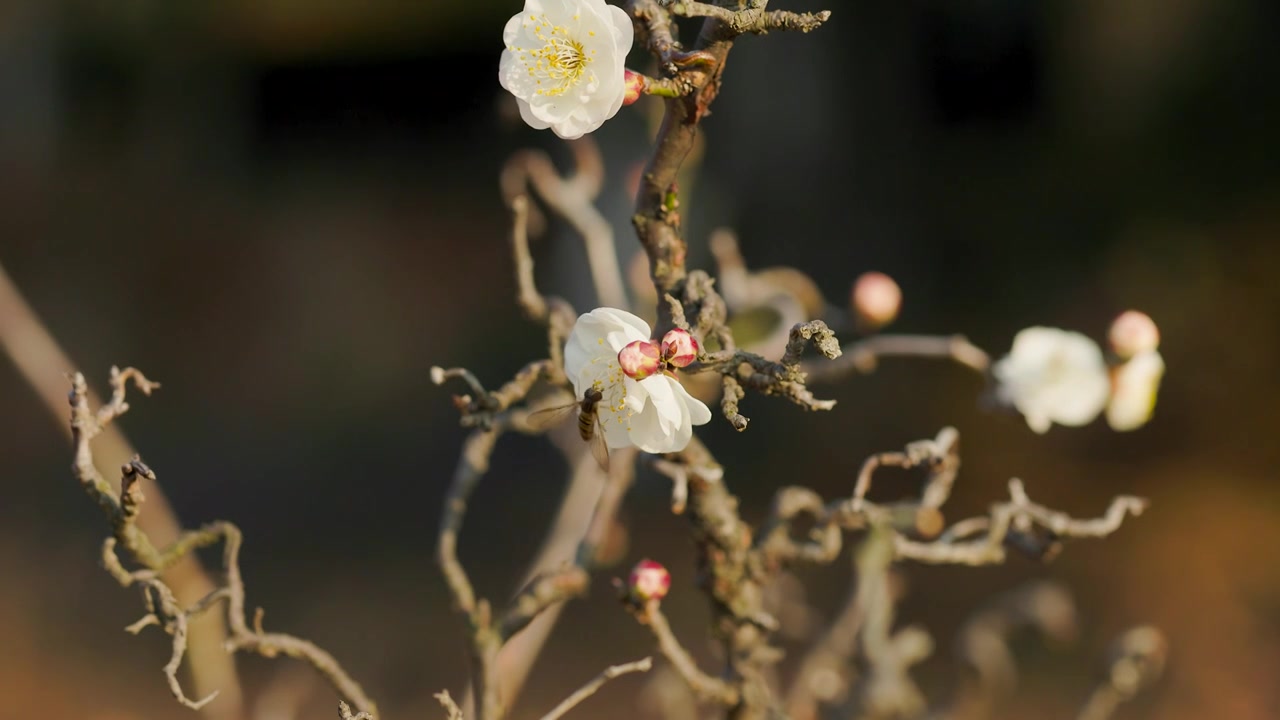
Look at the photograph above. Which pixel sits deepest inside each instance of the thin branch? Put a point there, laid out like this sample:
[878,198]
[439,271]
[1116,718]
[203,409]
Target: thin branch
[706,687]
[941,454]
[751,19]
[485,642]
[591,687]
[1019,515]
[344,712]
[554,312]
[42,363]
[826,675]
[573,198]
[480,410]
[783,377]
[887,690]
[123,511]
[566,538]
[451,707]
[864,355]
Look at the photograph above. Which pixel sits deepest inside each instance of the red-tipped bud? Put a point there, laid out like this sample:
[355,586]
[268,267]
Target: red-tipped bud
[649,580]
[635,83]
[640,359]
[679,348]
[1133,333]
[876,300]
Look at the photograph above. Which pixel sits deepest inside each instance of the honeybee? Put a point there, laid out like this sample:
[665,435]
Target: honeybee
[588,423]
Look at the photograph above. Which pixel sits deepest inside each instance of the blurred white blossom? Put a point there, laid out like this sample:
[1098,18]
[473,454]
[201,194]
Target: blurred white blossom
[1133,392]
[1053,376]
[564,63]
[655,414]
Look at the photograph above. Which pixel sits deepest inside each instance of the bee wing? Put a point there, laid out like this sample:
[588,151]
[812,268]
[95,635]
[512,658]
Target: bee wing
[599,448]
[550,417]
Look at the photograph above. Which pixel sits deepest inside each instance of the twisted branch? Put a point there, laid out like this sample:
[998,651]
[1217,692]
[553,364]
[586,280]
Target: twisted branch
[163,608]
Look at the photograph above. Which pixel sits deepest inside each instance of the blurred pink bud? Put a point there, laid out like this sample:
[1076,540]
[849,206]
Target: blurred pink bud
[679,348]
[639,359]
[1133,333]
[634,83]
[649,581]
[876,300]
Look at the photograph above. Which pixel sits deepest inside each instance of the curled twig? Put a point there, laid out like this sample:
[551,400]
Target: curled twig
[163,607]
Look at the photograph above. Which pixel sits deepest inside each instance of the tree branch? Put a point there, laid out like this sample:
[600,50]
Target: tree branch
[591,687]
[751,19]
[863,356]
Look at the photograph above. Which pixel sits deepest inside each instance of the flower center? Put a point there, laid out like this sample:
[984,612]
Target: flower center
[612,384]
[560,63]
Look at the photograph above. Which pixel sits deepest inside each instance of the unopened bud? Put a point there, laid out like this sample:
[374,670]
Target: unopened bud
[639,359]
[1133,333]
[1134,386]
[679,348]
[634,82]
[649,580]
[876,300]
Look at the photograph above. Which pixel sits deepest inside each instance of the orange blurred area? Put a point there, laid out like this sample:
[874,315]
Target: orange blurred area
[286,212]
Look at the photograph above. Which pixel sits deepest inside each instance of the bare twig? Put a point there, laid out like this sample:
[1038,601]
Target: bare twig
[1019,515]
[887,690]
[706,687]
[567,538]
[485,640]
[1137,661]
[554,312]
[451,707]
[863,355]
[573,198]
[783,377]
[344,712]
[941,455]
[751,19]
[39,359]
[591,687]
[826,675]
[123,511]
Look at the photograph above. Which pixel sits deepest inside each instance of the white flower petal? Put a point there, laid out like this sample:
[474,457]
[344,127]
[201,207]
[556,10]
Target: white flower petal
[1054,376]
[662,396]
[656,414]
[566,58]
[699,413]
[623,29]
[529,118]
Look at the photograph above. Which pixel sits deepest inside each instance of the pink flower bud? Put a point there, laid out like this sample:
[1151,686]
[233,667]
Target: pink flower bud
[639,359]
[679,348]
[649,581]
[876,300]
[634,82]
[1133,333]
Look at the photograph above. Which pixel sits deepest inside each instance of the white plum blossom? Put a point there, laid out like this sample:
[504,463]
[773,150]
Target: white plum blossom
[1134,385]
[564,63]
[655,414]
[1053,376]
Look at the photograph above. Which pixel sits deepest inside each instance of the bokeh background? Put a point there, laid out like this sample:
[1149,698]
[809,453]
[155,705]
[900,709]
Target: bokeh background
[287,211]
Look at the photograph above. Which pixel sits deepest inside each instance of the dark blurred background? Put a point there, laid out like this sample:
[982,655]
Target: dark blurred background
[287,211]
